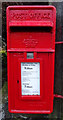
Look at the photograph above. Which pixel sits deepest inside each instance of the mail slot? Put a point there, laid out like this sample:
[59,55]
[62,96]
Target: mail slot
[30,58]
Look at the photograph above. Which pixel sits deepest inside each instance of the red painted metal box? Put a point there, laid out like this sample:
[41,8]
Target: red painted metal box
[30,58]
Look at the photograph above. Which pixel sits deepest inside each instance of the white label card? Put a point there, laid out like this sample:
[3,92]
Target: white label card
[30,78]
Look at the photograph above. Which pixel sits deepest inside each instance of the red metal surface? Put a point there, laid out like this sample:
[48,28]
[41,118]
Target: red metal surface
[58,96]
[60,42]
[31,29]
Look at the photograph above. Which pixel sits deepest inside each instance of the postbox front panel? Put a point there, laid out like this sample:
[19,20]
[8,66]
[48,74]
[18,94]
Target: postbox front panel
[30,55]
[31,37]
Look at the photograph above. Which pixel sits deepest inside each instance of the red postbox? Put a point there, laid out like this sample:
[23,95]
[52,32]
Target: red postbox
[30,58]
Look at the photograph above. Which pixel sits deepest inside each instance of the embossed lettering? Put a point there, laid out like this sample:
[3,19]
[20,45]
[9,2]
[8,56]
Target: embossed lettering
[27,15]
